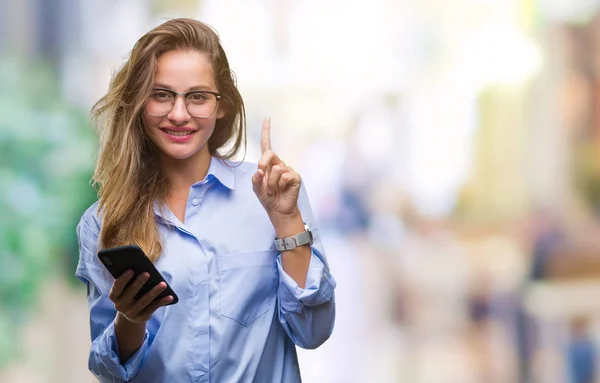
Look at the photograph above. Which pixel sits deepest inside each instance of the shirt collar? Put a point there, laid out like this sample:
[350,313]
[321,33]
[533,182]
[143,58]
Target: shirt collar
[219,170]
[222,171]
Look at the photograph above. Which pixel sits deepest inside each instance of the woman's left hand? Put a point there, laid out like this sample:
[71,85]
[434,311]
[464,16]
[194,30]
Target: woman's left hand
[275,184]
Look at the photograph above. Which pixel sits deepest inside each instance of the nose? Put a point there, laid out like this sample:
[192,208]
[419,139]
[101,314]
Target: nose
[179,114]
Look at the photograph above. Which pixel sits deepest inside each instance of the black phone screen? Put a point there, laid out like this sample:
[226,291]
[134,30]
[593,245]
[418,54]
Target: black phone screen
[118,260]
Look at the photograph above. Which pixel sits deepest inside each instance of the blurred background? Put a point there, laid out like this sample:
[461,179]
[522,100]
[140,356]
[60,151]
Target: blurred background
[450,148]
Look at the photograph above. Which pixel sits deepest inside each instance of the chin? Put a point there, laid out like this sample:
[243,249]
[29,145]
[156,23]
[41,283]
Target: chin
[182,154]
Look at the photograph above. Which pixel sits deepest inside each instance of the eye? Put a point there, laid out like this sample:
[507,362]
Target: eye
[161,95]
[197,97]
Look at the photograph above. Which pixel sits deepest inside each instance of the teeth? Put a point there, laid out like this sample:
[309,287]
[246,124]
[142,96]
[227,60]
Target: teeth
[178,133]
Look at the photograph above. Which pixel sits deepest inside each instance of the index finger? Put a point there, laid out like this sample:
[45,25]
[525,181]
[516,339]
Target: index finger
[265,135]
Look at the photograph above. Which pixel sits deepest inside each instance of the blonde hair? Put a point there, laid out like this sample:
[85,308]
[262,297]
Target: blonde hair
[128,173]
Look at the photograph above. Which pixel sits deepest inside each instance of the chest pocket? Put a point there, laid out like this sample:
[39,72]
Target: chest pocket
[247,284]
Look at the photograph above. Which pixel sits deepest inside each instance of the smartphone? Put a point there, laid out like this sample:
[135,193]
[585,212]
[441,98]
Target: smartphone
[118,260]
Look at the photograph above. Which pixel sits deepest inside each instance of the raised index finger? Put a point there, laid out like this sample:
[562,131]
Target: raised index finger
[265,135]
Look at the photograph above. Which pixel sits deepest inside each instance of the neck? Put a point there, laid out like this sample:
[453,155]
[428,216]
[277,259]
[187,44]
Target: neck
[182,174]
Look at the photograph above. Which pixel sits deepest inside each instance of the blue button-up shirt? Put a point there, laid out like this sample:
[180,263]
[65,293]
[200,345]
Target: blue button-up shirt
[239,316]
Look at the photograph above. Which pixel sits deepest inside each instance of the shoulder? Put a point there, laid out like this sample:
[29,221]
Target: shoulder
[241,167]
[91,218]
[242,170]
[88,233]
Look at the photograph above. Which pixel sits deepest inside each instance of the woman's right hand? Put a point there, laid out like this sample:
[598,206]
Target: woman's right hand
[140,310]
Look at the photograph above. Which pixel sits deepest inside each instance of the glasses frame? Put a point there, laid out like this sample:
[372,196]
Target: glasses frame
[184,95]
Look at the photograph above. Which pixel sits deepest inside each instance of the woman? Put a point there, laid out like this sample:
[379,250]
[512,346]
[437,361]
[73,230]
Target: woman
[207,223]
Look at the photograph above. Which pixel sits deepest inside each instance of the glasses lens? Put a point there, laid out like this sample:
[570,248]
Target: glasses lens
[201,104]
[160,103]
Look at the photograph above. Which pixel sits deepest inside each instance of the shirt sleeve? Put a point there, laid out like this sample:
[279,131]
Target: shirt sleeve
[308,314]
[103,360]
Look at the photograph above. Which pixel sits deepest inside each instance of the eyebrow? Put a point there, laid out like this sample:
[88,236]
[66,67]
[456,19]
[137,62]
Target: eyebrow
[197,87]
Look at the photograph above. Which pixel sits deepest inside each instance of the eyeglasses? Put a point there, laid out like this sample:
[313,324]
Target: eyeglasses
[200,103]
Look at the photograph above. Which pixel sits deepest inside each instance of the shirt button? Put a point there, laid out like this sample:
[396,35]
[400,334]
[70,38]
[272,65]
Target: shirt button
[195,202]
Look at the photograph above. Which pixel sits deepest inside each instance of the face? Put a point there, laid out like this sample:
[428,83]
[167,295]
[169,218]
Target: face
[179,135]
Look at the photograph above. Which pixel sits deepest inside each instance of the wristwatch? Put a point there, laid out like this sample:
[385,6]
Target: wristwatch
[289,243]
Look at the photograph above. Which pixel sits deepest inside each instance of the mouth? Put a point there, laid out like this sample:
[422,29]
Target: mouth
[178,133]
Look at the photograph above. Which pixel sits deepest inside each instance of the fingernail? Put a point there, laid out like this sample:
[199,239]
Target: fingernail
[259,175]
[269,191]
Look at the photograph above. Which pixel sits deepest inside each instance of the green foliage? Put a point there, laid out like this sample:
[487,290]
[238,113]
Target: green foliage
[46,159]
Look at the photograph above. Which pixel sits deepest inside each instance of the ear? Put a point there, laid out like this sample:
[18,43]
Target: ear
[220,112]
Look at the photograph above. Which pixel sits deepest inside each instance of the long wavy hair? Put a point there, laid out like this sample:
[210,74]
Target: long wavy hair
[128,175]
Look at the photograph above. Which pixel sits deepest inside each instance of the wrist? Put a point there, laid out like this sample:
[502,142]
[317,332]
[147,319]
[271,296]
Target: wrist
[130,336]
[286,225]
[122,321]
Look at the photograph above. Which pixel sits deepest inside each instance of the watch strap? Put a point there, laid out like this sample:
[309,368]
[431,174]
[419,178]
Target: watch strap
[289,243]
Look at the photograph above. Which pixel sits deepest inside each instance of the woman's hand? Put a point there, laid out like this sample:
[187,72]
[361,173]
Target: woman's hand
[140,310]
[275,184]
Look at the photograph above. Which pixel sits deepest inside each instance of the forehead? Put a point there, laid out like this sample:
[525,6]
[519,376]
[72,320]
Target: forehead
[182,70]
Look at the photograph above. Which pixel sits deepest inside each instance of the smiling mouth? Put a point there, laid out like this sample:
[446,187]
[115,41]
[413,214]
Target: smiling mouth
[179,132]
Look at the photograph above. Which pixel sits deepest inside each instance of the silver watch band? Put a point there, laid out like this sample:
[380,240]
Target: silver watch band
[289,243]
